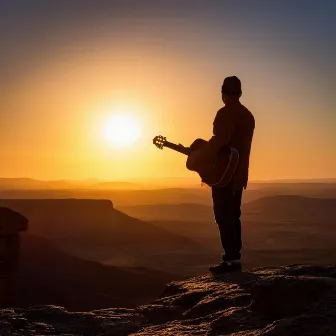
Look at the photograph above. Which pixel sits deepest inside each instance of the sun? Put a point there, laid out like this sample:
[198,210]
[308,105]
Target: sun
[121,130]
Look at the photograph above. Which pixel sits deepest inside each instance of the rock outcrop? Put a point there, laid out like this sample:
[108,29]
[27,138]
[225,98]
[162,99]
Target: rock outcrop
[292,300]
[11,224]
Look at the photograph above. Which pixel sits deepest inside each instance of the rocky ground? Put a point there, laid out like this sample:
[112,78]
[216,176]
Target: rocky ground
[291,300]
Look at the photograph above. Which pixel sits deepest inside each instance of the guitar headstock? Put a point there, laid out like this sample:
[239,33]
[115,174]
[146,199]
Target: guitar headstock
[159,141]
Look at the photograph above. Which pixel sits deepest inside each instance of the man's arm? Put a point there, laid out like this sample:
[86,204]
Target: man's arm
[223,128]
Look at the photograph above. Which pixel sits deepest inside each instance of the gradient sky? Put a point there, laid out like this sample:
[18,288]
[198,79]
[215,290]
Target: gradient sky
[66,65]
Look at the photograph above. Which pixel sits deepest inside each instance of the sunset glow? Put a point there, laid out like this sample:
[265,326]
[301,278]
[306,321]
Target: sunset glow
[111,79]
[121,130]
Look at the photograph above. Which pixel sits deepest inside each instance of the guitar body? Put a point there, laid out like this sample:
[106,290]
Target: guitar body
[214,171]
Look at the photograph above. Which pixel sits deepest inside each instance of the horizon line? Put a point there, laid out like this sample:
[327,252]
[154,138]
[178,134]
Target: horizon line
[188,179]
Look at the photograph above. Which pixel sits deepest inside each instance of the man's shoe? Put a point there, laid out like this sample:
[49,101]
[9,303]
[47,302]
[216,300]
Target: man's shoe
[226,266]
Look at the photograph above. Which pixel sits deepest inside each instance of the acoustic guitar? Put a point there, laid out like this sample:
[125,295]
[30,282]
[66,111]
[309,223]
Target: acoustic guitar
[217,170]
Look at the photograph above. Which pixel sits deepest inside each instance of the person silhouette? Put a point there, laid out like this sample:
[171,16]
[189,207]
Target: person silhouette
[234,126]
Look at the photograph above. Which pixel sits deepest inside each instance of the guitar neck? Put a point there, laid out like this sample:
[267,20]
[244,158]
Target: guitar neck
[177,148]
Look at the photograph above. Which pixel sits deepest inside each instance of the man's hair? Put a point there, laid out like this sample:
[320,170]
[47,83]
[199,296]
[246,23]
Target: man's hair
[231,86]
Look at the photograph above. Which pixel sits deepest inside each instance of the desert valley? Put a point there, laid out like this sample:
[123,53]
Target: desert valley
[119,247]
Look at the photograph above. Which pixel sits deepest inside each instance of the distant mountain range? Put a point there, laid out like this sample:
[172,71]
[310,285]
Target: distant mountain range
[277,207]
[312,180]
[193,212]
[28,183]
[293,208]
[93,225]
[35,184]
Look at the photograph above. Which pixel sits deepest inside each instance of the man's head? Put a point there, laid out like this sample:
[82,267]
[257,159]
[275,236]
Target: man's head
[231,89]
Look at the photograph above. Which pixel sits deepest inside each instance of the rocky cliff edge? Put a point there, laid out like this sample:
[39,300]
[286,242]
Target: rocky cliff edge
[291,300]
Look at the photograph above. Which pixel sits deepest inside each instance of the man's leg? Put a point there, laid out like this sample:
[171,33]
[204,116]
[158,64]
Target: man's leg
[227,215]
[236,220]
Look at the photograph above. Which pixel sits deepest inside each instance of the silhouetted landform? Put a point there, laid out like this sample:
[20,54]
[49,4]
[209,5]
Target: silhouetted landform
[198,195]
[276,229]
[31,184]
[93,229]
[171,212]
[49,276]
[275,208]
[25,183]
[119,197]
[292,300]
[294,207]
[11,222]
[308,189]
[297,181]
[92,223]
[117,185]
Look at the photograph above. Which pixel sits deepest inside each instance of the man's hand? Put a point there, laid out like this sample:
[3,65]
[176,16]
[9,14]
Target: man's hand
[239,182]
[237,185]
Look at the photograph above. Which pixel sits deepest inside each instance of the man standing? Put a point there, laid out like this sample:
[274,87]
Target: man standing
[234,126]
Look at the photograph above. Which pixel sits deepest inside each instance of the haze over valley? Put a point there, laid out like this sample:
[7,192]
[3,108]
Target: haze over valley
[128,236]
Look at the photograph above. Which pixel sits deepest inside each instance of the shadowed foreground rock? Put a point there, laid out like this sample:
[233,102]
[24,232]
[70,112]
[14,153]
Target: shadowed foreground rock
[292,300]
[11,224]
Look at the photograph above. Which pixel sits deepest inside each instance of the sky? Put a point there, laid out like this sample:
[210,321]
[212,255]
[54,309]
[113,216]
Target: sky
[67,66]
